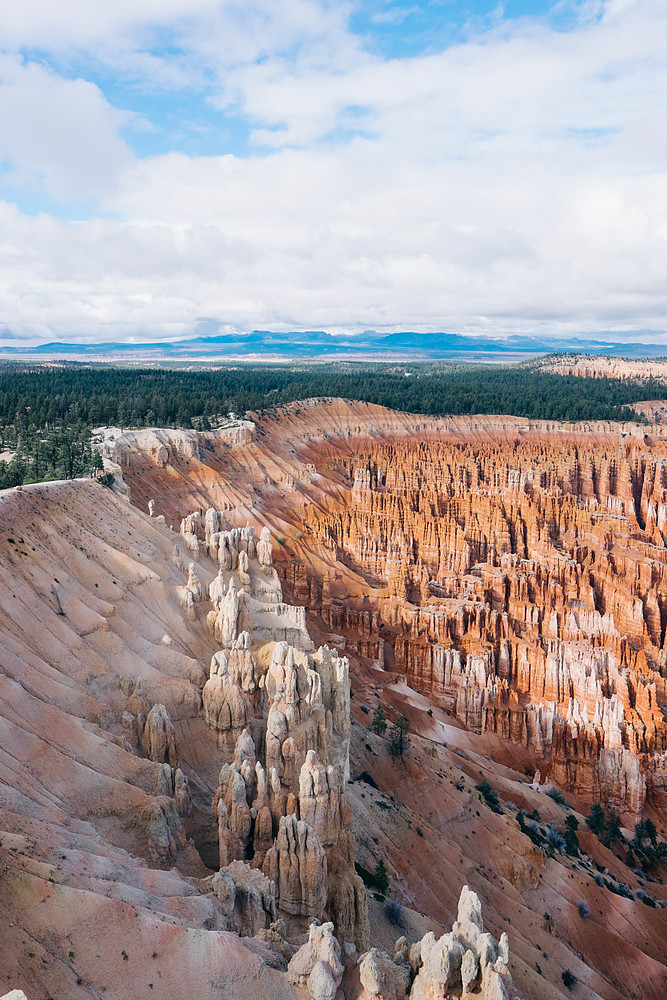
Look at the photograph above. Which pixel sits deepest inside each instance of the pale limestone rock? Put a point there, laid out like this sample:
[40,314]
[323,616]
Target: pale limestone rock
[460,958]
[194,583]
[297,864]
[469,971]
[415,957]
[469,924]
[182,796]
[246,898]
[317,964]
[225,626]
[334,676]
[287,811]
[382,978]
[441,969]
[158,738]
[190,525]
[487,953]
[504,948]
[321,983]
[243,575]
[244,751]
[191,543]
[496,985]
[159,825]
[186,601]
[470,908]
[402,948]
[265,549]
[230,805]
[214,523]
[226,706]
[225,557]
[319,798]
[216,589]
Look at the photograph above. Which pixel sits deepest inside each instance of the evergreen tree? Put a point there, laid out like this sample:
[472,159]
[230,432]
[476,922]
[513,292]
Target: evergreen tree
[613,830]
[398,738]
[571,838]
[596,820]
[381,876]
[379,723]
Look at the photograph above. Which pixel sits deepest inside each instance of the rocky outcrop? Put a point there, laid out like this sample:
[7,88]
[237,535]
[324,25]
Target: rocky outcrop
[320,798]
[317,964]
[229,693]
[159,827]
[245,897]
[464,961]
[465,958]
[383,978]
[281,713]
[297,864]
[158,737]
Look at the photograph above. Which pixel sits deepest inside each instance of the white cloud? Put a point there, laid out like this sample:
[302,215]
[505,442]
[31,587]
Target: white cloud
[394,15]
[513,182]
[60,132]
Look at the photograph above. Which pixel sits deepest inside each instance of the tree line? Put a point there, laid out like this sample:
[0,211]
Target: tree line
[47,412]
[43,396]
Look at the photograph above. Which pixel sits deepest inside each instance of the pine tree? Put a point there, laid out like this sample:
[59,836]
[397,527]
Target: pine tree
[596,820]
[571,838]
[613,831]
[381,876]
[398,738]
[379,723]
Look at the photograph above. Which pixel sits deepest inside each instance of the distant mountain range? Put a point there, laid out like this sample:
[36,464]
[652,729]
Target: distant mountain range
[318,344]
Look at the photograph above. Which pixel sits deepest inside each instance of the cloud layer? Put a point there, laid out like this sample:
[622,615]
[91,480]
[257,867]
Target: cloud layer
[512,180]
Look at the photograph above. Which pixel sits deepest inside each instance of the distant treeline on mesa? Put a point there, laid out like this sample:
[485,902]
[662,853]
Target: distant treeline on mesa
[47,413]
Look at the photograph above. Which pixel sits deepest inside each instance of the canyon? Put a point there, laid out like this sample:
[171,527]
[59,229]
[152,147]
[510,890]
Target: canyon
[191,661]
[511,571]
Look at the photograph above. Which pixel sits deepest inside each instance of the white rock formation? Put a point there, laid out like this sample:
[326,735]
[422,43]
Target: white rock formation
[194,583]
[246,898]
[381,978]
[463,962]
[317,964]
[265,549]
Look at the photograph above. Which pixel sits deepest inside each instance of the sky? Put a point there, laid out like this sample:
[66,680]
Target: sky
[172,166]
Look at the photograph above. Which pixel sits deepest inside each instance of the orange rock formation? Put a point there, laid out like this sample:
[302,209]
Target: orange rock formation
[514,571]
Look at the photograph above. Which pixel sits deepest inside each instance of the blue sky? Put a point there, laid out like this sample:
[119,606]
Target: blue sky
[475,167]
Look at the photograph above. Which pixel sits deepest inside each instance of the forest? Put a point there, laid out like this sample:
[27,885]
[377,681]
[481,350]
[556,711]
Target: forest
[47,412]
